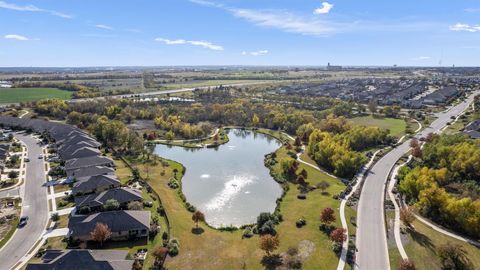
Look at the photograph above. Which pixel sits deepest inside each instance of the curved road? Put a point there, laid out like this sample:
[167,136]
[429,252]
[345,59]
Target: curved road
[34,205]
[372,251]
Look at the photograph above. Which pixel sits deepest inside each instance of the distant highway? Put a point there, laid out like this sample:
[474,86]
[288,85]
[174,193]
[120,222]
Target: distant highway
[372,250]
[165,92]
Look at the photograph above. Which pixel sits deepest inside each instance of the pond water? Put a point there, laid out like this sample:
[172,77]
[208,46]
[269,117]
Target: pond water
[229,184]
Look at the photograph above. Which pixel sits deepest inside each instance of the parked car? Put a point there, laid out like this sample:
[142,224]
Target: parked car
[23,221]
[40,157]
[27,160]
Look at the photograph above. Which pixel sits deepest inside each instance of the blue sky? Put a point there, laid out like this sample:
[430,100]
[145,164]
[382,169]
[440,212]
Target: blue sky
[234,32]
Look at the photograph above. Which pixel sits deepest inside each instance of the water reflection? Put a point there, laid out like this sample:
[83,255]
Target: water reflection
[230,184]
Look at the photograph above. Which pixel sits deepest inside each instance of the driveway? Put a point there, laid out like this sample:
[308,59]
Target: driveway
[371,240]
[34,205]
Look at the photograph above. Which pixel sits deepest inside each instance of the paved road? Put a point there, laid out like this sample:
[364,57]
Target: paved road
[34,206]
[372,251]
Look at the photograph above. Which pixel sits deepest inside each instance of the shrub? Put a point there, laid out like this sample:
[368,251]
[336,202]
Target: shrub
[111,205]
[247,232]
[84,210]
[300,223]
[173,247]
[55,217]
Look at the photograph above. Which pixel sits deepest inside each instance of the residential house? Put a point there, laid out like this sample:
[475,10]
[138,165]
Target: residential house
[82,259]
[96,201]
[123,225]
[93,184]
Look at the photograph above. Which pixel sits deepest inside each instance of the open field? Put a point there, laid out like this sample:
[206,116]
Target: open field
[16,95]
[396,126]
[215,249]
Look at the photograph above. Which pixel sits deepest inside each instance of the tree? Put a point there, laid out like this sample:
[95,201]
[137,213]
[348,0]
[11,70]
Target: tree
[55,217]
[323,185]
[327,216]
[407,264]
[135,205]
[160,253]
[111,205]
[255,120]
[338,235]
[198,216]
[406,216]
[414,143]
[453,257]
[269,243]
[417,152]
[304,173]
[101,233]
[372,106]
[12,174]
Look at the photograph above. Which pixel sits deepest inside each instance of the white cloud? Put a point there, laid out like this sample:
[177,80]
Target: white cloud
[326,7]
[200,43]
[16,37]
[32,8]
[465,27]
[420,58]
[255,53]
[284,21]
[103,26]
[472,10]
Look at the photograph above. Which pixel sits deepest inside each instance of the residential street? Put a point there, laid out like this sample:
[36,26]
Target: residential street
[371,235]
[34,206]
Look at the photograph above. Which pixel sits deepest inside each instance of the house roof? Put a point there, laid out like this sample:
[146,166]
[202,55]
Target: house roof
[86,184]
[79,152]
[76,163]
[117,221]
[90,171]
[122,195]
[83,260]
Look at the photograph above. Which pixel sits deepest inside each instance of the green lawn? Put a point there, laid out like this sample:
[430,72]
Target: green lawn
[396,126]
[214,249]
[422,248]
[15,95]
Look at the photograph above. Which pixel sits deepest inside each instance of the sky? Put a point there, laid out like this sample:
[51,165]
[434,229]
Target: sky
[78,33]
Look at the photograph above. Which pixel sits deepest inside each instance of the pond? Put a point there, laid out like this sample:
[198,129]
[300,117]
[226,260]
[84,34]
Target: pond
[229,184]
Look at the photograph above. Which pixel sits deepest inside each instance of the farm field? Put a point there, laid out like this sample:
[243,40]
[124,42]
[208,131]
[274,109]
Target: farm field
[16,95]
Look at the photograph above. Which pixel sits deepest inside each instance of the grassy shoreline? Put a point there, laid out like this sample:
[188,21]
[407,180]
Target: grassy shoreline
[217,249]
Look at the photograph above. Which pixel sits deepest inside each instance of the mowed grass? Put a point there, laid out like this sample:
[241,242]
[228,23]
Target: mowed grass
[214,249]
[423,245]
[396,126]
[16,95]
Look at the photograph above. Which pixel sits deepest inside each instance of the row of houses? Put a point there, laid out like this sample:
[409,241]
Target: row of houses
[93,182]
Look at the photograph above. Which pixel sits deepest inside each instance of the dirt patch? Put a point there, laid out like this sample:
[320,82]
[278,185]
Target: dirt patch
[305,249]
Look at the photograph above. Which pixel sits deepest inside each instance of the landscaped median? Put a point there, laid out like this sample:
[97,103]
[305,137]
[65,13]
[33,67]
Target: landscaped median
[227,249]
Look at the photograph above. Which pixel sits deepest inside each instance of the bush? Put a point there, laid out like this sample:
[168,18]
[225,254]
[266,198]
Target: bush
[111,205]
[266,223]
[164,235]
[247,232]
[55,217]
[302,196]
[173,247]
[300,223]
[173,184]
[84,210]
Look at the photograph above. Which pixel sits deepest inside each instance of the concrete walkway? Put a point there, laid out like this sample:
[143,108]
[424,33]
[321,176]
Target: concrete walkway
[65,211]
[55,233]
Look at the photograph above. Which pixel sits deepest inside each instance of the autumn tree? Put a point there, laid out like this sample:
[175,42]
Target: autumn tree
[327,216]
[338,235]
[255,120]
[414,143]
[407,264]
[417,152]
[269,243]
[197,217]
[160,253]
[100,233]
[406,216]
